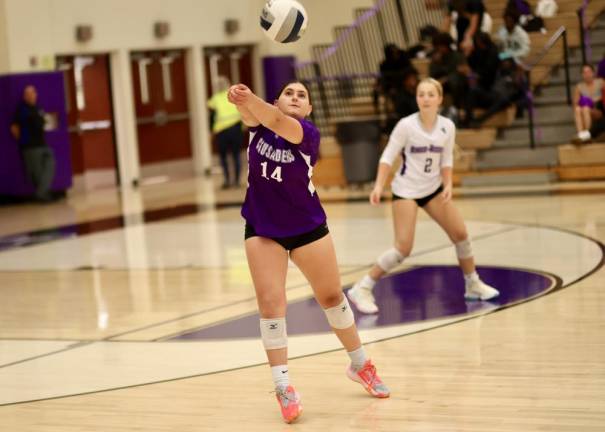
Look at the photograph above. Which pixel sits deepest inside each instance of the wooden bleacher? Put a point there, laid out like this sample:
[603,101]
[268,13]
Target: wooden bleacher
[464,160]
[475,139]
[329,170]
[422,66]
[501,119]
[581,162]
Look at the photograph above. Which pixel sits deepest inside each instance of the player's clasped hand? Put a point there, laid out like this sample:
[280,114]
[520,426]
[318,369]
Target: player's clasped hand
[239,94]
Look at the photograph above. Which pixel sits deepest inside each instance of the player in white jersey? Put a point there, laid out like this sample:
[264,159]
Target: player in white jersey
[425,140]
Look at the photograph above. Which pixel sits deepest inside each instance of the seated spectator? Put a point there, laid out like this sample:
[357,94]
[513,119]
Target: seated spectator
[27,128]
[507,89]
[514,41]
[481,72]
[597,128]
[396,62]
[484,60]
[392,68]
[404,101]
[444,68]
[467,17]
[424,48]
[587,102]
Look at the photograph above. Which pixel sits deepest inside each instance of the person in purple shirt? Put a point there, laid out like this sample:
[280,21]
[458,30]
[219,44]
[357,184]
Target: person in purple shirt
[284,219]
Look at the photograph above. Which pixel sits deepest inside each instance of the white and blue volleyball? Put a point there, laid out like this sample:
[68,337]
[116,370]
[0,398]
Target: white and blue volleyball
[283,21]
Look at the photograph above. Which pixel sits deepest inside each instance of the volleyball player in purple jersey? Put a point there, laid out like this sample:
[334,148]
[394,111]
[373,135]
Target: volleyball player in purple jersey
[284,218]
[425,141]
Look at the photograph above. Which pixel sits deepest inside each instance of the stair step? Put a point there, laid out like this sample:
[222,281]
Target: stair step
[517,157]
[560,133]
[500,119]
[555,90]
[549,101]
[509,179]
[524,143]
[464,160]
[547,115]
[470,139]
[586,154]
[542,139]
[558,75]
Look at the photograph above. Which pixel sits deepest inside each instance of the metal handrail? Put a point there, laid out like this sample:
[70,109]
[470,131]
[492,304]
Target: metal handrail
[561,32]
[580,13]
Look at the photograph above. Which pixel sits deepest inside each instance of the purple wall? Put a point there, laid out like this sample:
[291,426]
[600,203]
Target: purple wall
[277,71]
[51,98]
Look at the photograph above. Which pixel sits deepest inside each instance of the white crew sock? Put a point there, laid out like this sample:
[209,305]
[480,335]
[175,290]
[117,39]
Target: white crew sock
[280,375]
[358,358]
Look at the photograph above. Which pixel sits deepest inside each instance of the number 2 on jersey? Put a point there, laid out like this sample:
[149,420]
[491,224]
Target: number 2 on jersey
[427,165]
[275,175]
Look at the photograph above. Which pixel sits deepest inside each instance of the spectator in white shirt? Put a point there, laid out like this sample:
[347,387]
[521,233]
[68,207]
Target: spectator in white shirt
[514,41]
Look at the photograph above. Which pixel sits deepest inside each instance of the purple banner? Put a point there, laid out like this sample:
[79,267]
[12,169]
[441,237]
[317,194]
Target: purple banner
[277,71]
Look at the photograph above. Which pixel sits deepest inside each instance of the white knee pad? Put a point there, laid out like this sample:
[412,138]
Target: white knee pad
[341,316]
[273,333]
[390,259]
[464,249]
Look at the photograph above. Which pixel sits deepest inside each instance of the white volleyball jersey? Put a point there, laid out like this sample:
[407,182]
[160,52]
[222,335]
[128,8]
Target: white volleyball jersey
[424,154]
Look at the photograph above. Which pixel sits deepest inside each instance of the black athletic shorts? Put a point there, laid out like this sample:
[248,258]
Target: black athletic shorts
[293,242]
[424,200]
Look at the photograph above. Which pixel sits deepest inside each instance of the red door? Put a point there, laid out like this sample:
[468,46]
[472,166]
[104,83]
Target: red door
[160,93]
[90,118]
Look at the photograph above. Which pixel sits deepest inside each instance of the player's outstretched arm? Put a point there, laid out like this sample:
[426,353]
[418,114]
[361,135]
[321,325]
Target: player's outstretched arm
[269,115]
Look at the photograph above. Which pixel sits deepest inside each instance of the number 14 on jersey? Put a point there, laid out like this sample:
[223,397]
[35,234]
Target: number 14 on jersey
[275,175]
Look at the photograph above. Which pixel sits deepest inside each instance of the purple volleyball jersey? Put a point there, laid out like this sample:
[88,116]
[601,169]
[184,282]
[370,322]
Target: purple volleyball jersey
[281,200]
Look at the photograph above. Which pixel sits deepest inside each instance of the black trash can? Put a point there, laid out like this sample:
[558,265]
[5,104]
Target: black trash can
[359,141]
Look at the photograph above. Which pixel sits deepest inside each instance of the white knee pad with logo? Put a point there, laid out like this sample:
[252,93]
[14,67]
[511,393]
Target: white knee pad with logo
[390,259]
[273,333]
[464,249]
[341,316]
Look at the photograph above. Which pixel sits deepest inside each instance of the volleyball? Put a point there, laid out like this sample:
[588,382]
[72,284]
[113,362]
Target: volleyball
[283,21]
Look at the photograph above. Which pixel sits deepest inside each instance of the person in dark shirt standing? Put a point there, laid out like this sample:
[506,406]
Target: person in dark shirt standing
[468,21]
[28,129]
